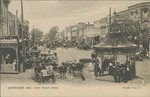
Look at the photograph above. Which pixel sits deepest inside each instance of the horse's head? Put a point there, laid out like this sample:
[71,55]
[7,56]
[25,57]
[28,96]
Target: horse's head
[65,64]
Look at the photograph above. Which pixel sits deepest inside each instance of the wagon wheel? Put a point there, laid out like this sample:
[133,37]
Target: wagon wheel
[86,65]
[35,77]
[39,79]
[53,78]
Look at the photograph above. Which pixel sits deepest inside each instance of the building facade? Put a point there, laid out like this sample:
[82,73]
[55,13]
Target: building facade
[10,41]
[92,35]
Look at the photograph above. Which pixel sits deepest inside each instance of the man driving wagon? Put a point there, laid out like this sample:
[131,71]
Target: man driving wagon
[44,72]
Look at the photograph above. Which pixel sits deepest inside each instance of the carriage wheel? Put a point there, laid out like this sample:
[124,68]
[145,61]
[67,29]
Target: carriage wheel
[53,78]
[35,77]
[39,79]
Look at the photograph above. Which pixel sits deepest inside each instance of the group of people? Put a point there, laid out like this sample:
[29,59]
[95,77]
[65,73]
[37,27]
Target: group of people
[45,59]
[120,72]
[9,60]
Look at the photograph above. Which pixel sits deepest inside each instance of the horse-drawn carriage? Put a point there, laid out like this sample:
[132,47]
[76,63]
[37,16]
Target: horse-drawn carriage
[76,68]
[31,55]
[44,73]
[44,70]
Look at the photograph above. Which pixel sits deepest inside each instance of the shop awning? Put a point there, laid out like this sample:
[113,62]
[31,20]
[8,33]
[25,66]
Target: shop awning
[8,41]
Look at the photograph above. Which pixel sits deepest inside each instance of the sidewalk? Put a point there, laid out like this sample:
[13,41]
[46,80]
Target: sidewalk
[143,70]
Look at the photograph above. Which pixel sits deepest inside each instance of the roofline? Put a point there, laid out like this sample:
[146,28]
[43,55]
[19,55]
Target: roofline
[139,4]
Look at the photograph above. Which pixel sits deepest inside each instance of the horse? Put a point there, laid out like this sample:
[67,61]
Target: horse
[119,73]
[76,67]
[62,69]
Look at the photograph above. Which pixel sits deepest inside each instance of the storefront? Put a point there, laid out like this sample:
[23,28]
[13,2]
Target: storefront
[9,56]
[93,40]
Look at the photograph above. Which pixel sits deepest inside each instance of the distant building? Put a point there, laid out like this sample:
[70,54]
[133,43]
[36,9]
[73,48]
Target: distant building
[92,36]
[81,32]
[139,12]
[68,34]
[60,36]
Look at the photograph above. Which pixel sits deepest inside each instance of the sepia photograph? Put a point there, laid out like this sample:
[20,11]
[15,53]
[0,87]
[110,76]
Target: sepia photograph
[74,48]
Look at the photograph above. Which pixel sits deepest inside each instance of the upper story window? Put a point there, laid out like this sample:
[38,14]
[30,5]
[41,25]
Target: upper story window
[145,12]
[131,14]
[136,15]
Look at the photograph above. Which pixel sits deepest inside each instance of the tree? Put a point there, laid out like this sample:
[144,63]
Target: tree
[51,36]
[33,39]
[36,35]
[131,29]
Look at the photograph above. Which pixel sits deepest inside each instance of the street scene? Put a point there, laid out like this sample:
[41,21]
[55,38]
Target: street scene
[75,43]
[72,54]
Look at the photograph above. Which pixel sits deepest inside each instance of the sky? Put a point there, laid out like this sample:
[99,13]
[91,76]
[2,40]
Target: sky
[44,14]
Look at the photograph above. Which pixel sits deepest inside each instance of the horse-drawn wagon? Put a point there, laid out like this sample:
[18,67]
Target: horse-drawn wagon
[45,73]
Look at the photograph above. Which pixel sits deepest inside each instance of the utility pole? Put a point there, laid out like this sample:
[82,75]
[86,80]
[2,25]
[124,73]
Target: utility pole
[22,34]
[33,37]
[110,20]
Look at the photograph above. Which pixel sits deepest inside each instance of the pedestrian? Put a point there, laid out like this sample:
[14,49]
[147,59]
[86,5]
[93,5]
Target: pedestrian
[118,71]
[55,54]
[97,68]
[114,73]
[125,74]
[128,72]
[7,58]
[147,54]
[14,65]
[110,72]
[46,60]
[42,59]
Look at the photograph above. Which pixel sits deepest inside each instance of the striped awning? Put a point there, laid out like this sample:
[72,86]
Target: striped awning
[8,43]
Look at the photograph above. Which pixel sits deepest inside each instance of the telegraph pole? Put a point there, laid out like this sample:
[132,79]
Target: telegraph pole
[22,34]
[110,20]
[33,37]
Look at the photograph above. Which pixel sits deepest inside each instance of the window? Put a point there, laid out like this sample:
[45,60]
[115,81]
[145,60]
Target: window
[145,12]
[136,15]
[131,14]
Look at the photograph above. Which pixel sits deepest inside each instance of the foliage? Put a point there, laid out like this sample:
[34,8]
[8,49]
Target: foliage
[131,29]
[51,36]
[36,35]
[145,37]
